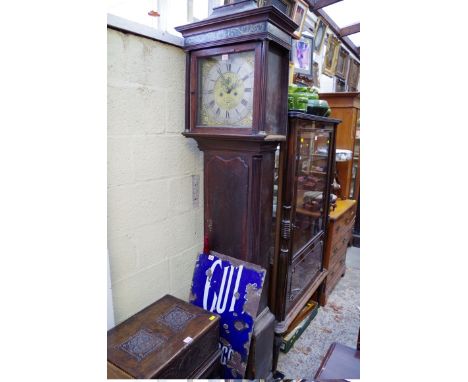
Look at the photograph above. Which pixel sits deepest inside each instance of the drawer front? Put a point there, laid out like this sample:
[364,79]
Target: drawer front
[338,253]
[334,276]
[342,224]
[303,272]
[345,220]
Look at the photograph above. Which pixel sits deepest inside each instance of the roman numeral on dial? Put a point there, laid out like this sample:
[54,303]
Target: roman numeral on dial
[244,102]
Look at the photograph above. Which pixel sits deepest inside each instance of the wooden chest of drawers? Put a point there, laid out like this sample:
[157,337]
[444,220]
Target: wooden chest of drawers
[340,229]
[169,339]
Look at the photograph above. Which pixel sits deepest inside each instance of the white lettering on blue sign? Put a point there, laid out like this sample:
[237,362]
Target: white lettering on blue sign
[217,301]
[226,354]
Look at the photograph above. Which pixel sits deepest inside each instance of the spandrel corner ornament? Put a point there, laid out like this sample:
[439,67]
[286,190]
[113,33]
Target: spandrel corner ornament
[231,288]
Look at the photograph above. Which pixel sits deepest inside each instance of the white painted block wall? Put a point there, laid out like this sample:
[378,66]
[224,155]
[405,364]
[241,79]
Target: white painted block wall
[154,229]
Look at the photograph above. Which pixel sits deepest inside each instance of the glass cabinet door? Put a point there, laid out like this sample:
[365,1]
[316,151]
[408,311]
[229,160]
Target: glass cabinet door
[310,186]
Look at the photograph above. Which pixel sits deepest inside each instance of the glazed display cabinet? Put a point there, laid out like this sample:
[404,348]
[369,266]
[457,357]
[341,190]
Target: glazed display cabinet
[303,193]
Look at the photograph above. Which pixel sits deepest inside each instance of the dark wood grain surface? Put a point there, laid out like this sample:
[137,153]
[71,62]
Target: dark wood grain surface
[168,339]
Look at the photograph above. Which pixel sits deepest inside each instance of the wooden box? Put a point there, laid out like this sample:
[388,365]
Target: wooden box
[168,339]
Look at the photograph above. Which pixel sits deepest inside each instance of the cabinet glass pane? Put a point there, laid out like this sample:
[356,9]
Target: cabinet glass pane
[311,178]
[303,272]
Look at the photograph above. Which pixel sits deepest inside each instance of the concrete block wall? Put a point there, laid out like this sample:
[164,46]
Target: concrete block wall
[155,226]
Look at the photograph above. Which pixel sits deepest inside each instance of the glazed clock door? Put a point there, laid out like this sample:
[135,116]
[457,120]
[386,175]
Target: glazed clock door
[223,88]
[225,94]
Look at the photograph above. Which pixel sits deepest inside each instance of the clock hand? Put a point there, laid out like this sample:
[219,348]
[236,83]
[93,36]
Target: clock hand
[234,86]
[224,81]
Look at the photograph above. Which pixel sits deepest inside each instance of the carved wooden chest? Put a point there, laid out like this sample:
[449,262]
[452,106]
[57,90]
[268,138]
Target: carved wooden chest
[168,339]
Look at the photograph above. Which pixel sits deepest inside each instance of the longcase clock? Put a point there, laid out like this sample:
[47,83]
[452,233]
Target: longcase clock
[236,110]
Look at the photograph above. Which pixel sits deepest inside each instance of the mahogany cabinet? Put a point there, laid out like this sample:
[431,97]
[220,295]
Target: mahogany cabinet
[346,107]
[304,186]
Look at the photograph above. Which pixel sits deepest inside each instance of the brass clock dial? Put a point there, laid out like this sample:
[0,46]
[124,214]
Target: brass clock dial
[226,86]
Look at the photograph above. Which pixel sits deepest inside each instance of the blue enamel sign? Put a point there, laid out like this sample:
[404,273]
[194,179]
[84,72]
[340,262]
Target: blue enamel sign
[231,288]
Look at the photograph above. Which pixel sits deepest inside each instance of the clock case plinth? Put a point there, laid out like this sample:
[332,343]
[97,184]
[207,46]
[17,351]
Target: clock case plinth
[239,163]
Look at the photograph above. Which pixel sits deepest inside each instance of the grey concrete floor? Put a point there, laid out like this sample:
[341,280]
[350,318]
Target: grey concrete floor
[338,321]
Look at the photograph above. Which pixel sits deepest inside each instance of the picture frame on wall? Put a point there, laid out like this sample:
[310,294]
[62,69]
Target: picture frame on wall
[285,6]
[319,35]
[302,55]
[342,63]
[299,15]
[340,85]
[353,75]
[316,74]
[291,73]
[331,56]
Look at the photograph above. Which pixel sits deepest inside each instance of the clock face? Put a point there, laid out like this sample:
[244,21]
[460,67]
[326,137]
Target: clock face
[226,87]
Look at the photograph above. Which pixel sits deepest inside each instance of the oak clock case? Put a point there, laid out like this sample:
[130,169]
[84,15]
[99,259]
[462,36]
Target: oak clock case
[237,64]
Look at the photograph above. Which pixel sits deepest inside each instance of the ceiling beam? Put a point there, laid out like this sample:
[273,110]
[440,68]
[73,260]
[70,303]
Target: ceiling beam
[336,30]
[319,4]
[350,29]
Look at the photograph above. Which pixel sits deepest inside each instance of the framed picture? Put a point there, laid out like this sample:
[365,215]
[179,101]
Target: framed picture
[331,56]
[300,79]
[285,6]
[291,73]
[353,75]
[342,63]
[299,15]
[340,85]
[319,34]
[302,55]
[316,74]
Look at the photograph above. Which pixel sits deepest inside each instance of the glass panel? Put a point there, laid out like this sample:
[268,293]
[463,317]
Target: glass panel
[304,271]
[226,86]
[311,178]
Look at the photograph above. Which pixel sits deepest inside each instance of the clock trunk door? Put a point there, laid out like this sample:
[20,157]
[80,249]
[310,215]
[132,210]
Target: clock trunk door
[223,91]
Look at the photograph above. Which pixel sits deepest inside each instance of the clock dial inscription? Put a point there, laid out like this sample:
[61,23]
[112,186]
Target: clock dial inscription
[226,84]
